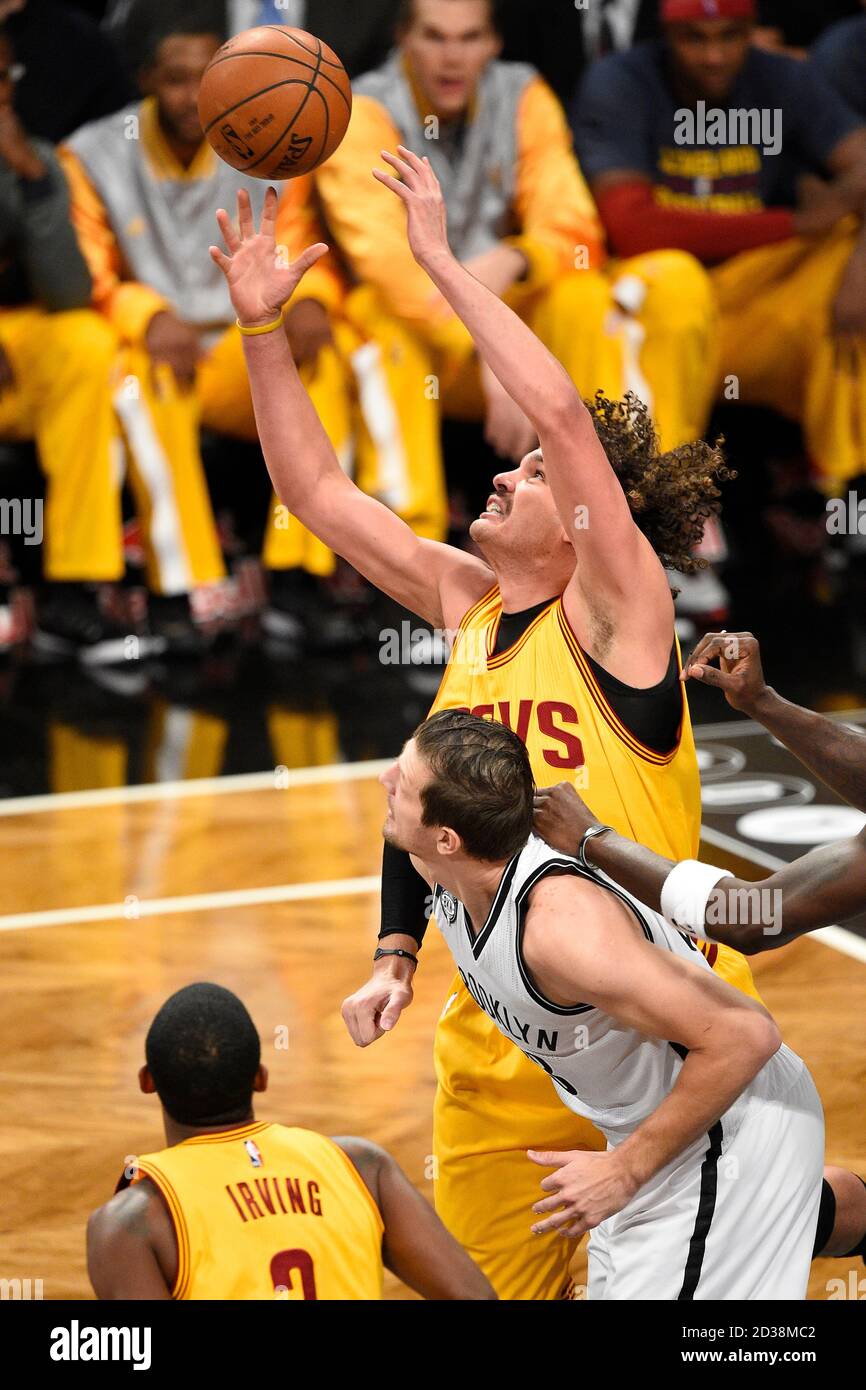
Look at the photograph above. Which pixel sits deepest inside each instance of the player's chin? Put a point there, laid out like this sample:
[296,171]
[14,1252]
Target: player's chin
[390,836]
[483,528]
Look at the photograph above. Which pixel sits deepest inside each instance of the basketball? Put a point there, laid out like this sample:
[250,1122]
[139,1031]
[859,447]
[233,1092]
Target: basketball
[275,102]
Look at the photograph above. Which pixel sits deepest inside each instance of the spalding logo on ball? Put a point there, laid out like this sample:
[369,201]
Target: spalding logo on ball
[275,102]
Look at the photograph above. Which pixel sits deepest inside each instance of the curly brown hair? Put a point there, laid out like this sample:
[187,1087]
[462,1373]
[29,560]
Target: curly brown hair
[670,495]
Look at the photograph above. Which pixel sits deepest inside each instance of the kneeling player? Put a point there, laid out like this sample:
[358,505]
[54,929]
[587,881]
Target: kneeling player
[711,1182]
[233,1208]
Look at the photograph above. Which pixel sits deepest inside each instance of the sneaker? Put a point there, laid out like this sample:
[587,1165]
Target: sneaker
[302,612]
[173,623]
[70,625]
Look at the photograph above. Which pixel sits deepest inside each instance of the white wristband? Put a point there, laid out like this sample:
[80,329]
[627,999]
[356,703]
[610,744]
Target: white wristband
[685,894]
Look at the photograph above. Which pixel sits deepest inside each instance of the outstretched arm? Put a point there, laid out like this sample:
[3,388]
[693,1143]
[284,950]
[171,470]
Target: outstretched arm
[831,750]
[303,466]
[821,888]
[620,563]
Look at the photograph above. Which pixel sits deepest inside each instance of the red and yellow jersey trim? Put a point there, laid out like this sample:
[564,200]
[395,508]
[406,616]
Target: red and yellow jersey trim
[360,1183]
[476,608]
[494,663]
[146,1168]
[223,1136]
[609,715]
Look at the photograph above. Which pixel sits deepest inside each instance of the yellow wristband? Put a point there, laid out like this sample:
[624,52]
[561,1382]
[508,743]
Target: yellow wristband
[261,328]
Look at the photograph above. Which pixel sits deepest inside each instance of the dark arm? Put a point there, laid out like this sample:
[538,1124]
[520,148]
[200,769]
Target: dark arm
[130,1245]
[832,751]
[416,1246]
[822,888]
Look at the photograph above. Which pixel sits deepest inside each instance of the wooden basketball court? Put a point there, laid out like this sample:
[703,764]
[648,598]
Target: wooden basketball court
[114,899]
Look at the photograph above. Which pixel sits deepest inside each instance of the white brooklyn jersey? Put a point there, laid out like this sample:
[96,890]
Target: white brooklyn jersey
[611,1074]
[733,1216]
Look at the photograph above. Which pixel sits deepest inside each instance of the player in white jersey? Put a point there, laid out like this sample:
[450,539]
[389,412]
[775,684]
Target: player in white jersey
[710,1185]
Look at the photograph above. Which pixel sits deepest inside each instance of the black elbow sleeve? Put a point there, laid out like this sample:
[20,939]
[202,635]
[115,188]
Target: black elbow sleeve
[405,896]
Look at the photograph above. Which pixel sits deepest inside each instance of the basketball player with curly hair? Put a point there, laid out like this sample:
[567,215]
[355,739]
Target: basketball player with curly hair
[564,630]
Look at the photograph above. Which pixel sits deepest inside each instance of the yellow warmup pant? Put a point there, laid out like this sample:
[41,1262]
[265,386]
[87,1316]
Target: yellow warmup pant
[160,421]
[776,338]
[61,399]
[383,438]
[665,351]
[226,405]
[492,1104]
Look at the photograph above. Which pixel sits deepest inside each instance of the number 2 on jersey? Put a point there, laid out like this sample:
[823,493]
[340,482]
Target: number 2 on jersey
[284,1265]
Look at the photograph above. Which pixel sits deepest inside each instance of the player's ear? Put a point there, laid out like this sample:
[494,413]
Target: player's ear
[146,1082]
[448,842]
[261,1081]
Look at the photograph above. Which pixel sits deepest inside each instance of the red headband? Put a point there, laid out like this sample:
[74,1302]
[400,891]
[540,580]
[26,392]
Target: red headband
[673,10]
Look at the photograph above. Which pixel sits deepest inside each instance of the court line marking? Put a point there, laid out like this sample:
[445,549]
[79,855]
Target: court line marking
[198,786]
[134,909]
[730,728]
[289,779]
[837,938]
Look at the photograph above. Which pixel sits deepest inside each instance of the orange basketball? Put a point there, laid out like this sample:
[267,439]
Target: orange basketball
[275,102]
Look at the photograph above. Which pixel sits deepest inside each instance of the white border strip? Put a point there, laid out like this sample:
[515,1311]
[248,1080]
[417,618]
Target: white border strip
[288,779]
[134,909]
[730,727]
[285,780]
[837,938]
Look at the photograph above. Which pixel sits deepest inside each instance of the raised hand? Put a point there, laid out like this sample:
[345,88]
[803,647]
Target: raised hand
[260,276]
[739,674]
[561,817]
[419,189]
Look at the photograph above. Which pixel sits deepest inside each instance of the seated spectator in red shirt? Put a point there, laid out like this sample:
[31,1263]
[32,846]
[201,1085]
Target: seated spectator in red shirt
[718,156]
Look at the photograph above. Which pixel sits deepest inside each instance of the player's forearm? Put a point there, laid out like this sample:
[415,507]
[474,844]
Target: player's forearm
[404,911]
[821,888]
[745,916]
[637,869]
[835,753]
[297,451]
[710,1080]
[529,373]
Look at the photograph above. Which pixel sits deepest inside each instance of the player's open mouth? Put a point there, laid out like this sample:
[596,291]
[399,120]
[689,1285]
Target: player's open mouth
[494,508]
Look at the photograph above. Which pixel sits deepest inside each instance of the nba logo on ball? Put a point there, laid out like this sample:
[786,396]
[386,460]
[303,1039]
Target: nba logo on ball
[275,102]
[255,1156]
[449,906]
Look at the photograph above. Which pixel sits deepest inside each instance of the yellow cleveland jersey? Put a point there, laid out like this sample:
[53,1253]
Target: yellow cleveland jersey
[544,689]
[268,1212]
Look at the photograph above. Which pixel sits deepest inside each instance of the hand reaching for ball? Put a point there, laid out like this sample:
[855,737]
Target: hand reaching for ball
[419,189]
[260,276]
